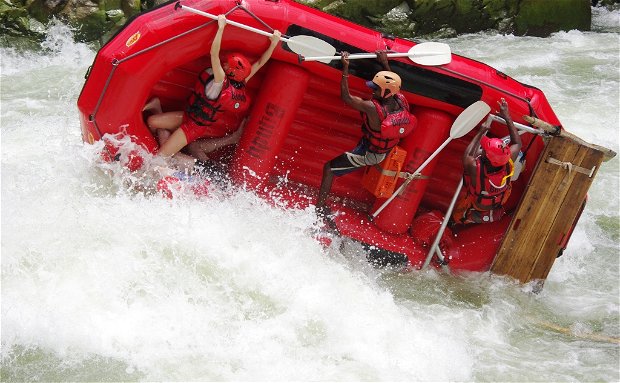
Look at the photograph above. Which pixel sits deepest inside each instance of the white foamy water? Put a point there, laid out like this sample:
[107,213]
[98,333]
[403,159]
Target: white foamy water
[102,283]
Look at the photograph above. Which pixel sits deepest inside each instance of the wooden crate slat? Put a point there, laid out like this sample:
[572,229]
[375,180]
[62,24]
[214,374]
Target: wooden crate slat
[528,248]
[567,215]
[530,217]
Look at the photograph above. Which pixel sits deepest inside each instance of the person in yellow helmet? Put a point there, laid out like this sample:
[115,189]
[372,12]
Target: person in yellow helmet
[385,120]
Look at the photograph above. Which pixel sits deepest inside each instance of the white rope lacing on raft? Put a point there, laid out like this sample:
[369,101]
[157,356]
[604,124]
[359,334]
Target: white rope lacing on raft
[393,174]
[570,166]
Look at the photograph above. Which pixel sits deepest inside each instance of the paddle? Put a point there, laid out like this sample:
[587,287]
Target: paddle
[424,54]
[435,246]
[464,123]
[302,45]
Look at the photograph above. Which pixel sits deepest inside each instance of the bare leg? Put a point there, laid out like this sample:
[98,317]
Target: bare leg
[194,150]
[200,148]
[326,185]
[211,144]
[173,144]
[171,147]
[168,121]
[236,135]
[322,210]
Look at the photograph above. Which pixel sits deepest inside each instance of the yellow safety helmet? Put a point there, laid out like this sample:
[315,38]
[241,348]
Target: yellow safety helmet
[386,80]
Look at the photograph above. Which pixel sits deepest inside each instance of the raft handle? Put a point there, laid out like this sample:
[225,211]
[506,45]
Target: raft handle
[501,74]
[88,72]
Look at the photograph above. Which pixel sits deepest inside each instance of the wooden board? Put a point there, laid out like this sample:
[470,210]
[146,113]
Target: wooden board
[548,209]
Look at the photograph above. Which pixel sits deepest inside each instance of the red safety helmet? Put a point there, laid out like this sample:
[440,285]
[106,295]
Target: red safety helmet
[385,80]
[495,150]
[239,67]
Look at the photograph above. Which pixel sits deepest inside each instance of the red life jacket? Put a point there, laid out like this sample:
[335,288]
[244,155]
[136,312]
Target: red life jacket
[492,189]
[205,112]
[394,125]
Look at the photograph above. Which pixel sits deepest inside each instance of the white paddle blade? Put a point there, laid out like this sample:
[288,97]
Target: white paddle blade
[311,46]
[430,53]
[469,119]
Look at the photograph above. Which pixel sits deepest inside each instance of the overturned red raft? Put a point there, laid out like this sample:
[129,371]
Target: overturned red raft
[298,122]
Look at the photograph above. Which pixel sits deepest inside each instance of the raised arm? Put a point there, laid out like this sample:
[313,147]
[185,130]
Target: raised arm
[275,38]
[354,101]
[515,138]
[216,65]
[471,152]
[382,58]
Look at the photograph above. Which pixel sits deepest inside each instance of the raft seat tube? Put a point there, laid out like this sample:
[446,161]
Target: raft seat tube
[432,130]
[270,120]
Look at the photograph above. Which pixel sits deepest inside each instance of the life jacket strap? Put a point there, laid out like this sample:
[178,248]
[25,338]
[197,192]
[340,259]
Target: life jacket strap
[404,175]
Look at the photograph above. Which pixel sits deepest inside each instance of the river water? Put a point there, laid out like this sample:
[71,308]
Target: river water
[101,283]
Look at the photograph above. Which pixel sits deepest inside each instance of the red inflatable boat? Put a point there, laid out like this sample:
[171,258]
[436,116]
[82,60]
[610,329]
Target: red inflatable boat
[298,122]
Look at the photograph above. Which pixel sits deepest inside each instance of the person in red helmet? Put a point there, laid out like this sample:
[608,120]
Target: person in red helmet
[385,120]
[488,166]
[216,107]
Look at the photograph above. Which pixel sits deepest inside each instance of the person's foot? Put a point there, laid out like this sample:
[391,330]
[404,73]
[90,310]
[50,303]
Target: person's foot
[162,136]
[194,150]
[323,211]
[153,106]
[327,216]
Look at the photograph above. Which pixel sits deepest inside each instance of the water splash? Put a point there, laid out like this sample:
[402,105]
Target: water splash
[102,282]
